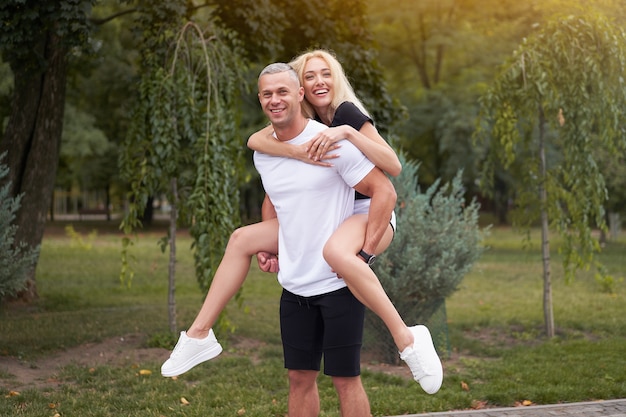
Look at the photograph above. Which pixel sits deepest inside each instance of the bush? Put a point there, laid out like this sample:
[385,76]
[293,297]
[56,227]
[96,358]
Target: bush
[15,258]
[437,242]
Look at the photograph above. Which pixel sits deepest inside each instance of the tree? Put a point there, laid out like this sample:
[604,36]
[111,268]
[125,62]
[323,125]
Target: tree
[40,39]
[614,173]
[559,97]
[82,148]
[438,56]
[181,137]
[102,84]
[35,39]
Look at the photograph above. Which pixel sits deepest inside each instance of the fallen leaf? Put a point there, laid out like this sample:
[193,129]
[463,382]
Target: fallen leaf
[184,401]
[241,411]
[478,405]
[526,403]
[464,386]
[13,394]
[145,372]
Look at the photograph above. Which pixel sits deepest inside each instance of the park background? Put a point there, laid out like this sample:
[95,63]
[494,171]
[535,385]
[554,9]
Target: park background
[422,68]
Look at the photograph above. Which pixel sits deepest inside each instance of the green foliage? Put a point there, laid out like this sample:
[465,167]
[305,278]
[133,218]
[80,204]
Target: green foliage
[183,129]
[16,258]
[77,238]
[438,56]
[608,283]
[567,78]
[613,167]
[102,83]
[162,340]
[24,21]
[437,242]
[82,147]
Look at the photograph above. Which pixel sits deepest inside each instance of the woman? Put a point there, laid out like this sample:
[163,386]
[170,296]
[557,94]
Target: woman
[330,98]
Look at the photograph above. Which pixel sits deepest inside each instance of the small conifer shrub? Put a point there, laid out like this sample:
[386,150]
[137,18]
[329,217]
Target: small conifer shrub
[438,239]
[15,257]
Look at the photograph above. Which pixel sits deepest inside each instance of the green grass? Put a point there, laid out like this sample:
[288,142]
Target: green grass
[495,323]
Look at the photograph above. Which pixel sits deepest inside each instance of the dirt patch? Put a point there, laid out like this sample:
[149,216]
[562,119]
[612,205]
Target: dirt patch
[42,373]
[127,351]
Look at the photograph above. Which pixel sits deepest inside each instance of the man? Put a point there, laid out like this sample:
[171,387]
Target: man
[318,314]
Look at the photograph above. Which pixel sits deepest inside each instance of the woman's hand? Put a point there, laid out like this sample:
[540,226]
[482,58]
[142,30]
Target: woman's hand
[265,142]
[301,153]
[326,141]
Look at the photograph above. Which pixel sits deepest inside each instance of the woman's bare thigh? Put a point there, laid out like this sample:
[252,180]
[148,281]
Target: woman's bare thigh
[350,235]
[256,237]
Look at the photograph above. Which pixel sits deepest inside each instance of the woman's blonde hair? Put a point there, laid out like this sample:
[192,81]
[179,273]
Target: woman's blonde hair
[342,90]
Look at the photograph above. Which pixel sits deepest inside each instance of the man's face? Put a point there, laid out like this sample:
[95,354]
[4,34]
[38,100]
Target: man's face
[280,96]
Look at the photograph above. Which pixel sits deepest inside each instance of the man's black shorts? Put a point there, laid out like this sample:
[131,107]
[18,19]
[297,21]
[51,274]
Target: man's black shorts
[330,324]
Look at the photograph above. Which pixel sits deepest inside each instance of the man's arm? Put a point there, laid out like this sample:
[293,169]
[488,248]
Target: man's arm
[267,209]
[377,186]
[268,262]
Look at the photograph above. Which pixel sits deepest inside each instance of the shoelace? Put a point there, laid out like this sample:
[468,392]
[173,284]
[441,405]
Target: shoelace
[178,347]
[414,358]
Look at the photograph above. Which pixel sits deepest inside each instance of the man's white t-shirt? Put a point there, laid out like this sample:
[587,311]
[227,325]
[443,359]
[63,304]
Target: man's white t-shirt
[311,202]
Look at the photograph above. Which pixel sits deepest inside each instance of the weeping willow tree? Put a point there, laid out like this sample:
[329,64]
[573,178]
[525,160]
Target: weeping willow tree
[560,96]
[181,142]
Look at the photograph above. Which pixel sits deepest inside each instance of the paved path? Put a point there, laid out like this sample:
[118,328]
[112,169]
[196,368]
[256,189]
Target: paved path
[607,408]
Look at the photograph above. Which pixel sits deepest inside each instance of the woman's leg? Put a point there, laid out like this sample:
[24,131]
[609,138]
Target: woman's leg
[341,254]
[244,242]
[199,344]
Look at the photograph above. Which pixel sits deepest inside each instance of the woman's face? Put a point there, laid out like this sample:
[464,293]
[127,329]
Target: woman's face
[318,83]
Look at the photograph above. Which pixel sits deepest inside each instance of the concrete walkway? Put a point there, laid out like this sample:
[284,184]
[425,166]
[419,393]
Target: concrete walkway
[607,408]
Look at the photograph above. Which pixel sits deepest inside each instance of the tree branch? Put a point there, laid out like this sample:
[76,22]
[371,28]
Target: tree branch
[102,21]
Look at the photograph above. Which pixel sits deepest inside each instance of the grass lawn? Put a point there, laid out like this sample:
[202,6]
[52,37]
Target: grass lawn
[93,347]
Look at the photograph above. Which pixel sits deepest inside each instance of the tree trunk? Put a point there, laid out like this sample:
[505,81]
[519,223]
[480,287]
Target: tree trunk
[171,299]
[545,242]
[148,212]
[615,225]
[107,201]
[32,140]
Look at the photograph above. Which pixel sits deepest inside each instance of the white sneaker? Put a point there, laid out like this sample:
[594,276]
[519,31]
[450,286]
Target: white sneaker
[190,352]
[423,360]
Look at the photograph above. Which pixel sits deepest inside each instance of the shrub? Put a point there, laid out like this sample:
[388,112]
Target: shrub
[437,242]
[15,258]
